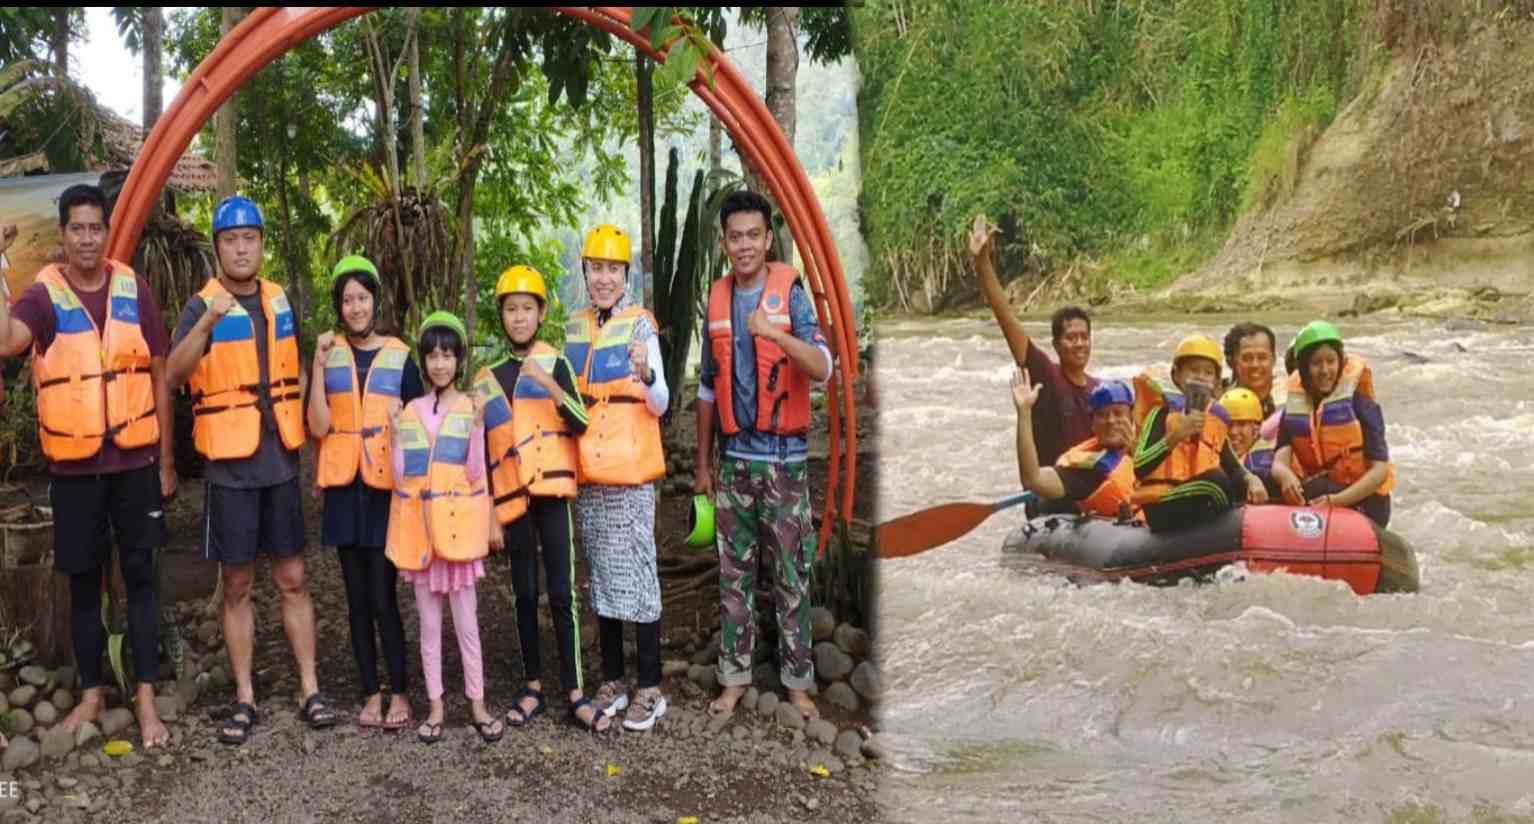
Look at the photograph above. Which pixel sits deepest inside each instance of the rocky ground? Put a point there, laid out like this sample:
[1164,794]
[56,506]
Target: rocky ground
[761,764]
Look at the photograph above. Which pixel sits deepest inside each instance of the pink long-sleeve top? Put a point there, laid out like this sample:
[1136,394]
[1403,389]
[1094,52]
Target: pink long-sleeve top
[442,575]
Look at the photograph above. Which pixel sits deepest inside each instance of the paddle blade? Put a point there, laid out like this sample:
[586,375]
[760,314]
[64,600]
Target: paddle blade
[921,531]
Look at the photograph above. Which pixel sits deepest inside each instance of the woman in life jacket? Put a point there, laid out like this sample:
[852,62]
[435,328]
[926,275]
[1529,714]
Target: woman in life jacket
[1185,470]
[359,381]
[439,522]
[1331,441]
[613,347]
[1096,475]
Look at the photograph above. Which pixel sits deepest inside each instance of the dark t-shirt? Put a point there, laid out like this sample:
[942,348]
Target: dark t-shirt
[35,310]
[506,373]
[273,463]
[1061,418]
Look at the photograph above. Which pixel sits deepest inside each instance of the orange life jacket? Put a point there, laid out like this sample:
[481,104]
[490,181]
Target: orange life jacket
[545,446]
[359,424]
[436,512]
[1330,440]
[782,389]
[501,449]
[1119,476]
[226,422]
[94,384]
[622,443]
[1188,459]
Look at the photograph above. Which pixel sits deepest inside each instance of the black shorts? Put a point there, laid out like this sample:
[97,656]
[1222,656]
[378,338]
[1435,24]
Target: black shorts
[91,511]
[239,524]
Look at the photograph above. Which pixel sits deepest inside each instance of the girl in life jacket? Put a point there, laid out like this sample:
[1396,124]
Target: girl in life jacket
[1331,441]
[1185,470]
[1247,439]
[1096,475]
[439,518]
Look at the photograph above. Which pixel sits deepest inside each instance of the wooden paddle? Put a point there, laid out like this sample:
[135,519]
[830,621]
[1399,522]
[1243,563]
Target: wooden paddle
[920,531]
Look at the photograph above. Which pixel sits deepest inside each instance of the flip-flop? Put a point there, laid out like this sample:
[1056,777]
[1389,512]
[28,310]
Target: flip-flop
[433,737]
[484,728]
[386,724]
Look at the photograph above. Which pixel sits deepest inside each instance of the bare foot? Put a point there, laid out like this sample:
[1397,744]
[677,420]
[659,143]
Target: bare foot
[150,727]
[806,705]
[371,712]
[399,712]
[725,703]
[89,709]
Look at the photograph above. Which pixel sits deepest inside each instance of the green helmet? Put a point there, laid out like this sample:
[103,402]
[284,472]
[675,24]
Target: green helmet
[1317,331]
[701,517]
[354,263]
[442,317]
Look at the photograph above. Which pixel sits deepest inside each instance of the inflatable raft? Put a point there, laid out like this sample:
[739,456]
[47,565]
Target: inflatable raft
[1337,544]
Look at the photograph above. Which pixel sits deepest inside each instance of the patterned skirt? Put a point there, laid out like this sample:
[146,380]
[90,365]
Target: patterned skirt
[617,531]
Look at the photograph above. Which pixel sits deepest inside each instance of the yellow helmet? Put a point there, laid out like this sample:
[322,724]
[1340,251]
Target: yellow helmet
[524,279]
[1198,346]
[606,242]
[1242,404]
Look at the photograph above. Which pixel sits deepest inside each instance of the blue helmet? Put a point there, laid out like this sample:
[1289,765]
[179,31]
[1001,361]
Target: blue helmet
[1109,393]
[236,212]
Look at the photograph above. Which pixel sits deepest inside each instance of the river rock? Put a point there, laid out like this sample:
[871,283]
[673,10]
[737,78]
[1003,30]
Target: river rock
[207,634]
[873,749]
[767,704]
[831,664]
[821,730]
[45,714]
[217,677]
[706,656]
[89,761]
[825,759]
[57,744]
[168,707]
[852,640]
[748,701]
[789,716]
[34,675]
[672,667]
[86,734]
[5,704]
[21,721]
[765,675]
[116,720]
[841,695]
[695,673]
[65,676]
[822,624]
[66,782]
[22,752]
[23,696]
[63,700]
[865,679]
[849,744]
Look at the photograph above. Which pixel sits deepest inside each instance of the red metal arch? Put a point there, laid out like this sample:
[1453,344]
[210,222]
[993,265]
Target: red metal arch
[269,32]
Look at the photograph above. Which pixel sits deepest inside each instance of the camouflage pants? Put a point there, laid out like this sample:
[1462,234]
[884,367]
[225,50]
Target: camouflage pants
[764,506]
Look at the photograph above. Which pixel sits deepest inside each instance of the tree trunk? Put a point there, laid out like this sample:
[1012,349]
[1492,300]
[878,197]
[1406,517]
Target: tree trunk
[466,248]
[417,124]
[782,71]
[715,144]
[226,146]
[60,44]
[644,72]
[154,78]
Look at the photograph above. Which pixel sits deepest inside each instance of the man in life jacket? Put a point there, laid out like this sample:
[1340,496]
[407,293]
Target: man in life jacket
[1185,470]
[1246,438]
[1062,417]
[1251,349]
[1097,475]
[1331,441]
[763,351]
[104,422]
[236,345]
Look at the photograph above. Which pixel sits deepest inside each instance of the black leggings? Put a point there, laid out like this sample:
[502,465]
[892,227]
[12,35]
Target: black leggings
[1194,502]
[647,637]
[546,525]
[90,637]
[371,598]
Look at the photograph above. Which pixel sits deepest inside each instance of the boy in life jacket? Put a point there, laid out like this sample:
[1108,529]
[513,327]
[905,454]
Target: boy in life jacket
[533,417]
[1096,475]
[104,423]
[236,346]
[764,349]
[615,350]
[359,378]
[1246,438]
[1331,441]
[1185,470]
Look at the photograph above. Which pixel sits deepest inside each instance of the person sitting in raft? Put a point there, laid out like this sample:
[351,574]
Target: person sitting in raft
[1251,349]
[1333,431]
[1246,437]
[1185,470]
[1096,475]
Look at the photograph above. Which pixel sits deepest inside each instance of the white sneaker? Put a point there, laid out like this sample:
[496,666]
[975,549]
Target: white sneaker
[649,705]
[612,697]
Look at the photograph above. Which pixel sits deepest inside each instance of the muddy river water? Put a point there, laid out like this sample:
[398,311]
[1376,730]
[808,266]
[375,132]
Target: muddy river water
[1017,696]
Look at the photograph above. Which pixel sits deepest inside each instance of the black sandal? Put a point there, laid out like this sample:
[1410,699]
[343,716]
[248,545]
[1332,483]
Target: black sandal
[240,725]
[433,737]
[597,716]
[317,712]
[484,728]
[525,717]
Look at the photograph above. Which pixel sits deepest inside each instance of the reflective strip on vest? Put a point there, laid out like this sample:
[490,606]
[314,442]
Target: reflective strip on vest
[359,426]
[545,446]
[782,389]
[226,422]
[1116,469]
[509,494]
[1331,443]
[408,545]
[622,441]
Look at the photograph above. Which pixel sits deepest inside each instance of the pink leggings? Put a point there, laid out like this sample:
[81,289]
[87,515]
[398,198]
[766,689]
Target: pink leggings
[465,624]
